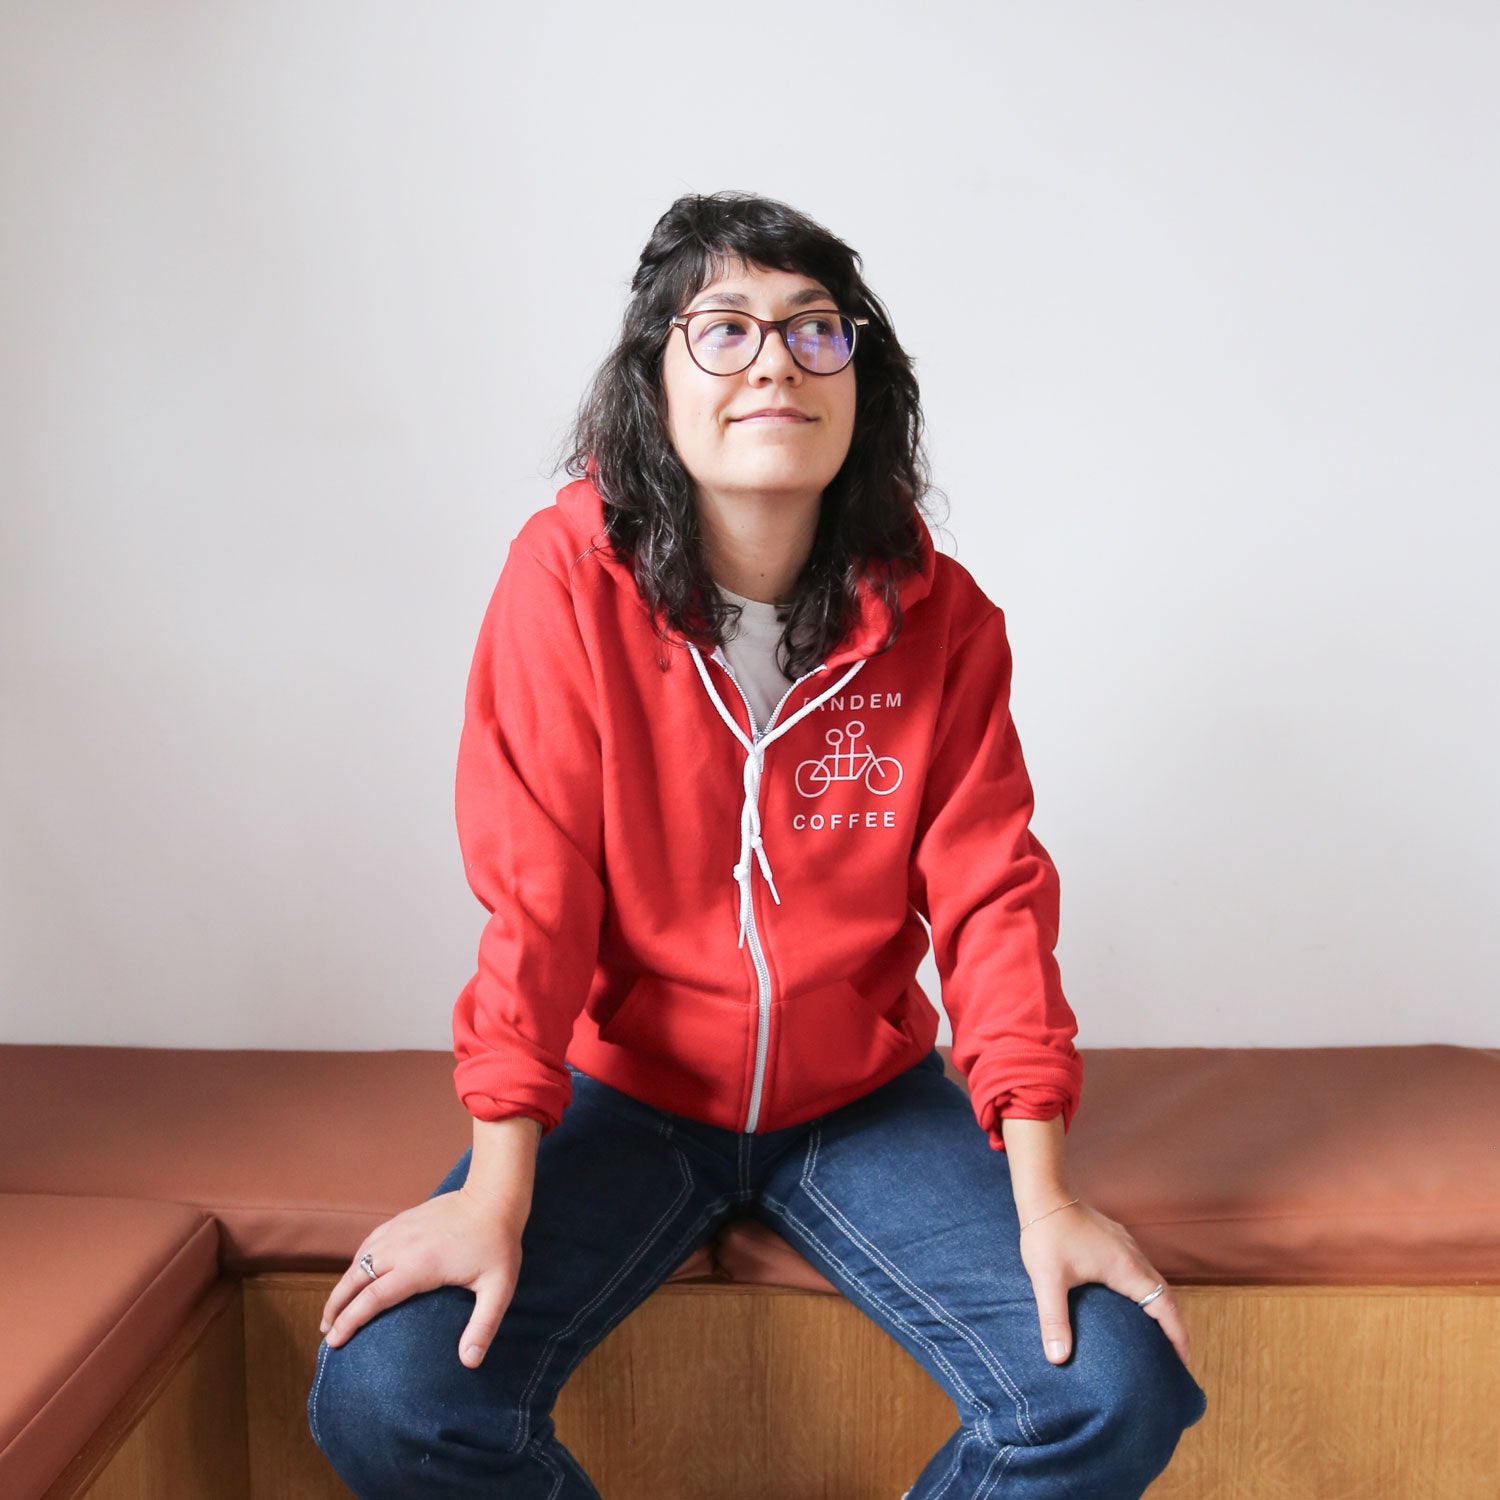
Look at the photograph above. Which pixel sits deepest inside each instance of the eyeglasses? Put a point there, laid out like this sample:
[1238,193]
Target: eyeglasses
[722,341]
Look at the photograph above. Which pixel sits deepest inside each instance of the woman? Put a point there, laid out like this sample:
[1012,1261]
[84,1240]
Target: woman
[733,730]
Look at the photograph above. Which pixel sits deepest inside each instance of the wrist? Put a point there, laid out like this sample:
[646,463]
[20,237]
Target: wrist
[1043,1199]
[1037,1155]
[502,1165]
[1030,1216]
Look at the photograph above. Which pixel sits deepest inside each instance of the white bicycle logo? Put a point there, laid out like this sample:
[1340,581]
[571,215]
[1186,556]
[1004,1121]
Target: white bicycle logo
[881,775]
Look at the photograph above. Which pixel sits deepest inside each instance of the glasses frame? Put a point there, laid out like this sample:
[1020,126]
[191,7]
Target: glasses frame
[763,325]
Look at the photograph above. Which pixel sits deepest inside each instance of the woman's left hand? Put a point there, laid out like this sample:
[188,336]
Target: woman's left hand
[1078,1244]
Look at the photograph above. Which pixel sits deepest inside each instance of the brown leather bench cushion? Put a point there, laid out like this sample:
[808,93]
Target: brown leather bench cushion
[91,1289]
[298,1155]
[1328,1165]
[1333,1165]
[1322,1165]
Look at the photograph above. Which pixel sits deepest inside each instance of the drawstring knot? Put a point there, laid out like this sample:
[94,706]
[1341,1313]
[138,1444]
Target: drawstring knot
[755,759]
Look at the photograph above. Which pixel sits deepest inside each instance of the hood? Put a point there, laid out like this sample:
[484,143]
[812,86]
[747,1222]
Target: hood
[583,509]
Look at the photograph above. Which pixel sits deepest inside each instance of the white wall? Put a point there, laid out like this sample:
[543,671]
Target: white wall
[297,300]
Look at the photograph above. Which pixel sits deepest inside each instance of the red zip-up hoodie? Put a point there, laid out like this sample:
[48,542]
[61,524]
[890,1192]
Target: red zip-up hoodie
[729,927]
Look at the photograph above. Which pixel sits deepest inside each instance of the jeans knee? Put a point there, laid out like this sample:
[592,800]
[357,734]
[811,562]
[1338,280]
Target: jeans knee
[1137,1395]
[390,1430]
[355,1421]
[1150,1417]
[327,1413]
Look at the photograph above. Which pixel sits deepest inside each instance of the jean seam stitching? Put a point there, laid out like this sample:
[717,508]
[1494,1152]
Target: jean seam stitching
[1002,1459]
[674,1259]
[317,1384]
[987,1484]
[990,1360]
[955,1467]
[938,1357]
[987,1356]
[523,1413]
[549,1463]
[577,1467]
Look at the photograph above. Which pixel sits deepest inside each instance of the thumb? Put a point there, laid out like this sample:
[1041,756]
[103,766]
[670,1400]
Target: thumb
[1057,1332]
[484,1323]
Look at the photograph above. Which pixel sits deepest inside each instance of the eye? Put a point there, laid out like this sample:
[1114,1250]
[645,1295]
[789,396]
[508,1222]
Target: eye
[718,329]
[819,325]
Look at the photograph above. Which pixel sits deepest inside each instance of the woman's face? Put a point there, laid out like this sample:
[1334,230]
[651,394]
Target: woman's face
[725,446]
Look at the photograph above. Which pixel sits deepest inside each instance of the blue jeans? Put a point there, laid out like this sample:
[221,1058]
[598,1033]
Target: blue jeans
[897,1199]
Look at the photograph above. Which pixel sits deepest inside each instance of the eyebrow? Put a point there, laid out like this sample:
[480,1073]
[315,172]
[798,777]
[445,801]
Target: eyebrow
[734,299]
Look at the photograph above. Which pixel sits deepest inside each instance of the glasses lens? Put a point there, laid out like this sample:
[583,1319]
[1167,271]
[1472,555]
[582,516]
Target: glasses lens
[821,342]
[722,342]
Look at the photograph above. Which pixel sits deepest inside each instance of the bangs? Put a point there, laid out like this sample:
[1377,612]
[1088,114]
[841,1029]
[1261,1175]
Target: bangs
[701,262]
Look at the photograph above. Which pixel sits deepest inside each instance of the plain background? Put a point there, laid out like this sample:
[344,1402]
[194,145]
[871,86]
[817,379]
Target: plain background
[296,303]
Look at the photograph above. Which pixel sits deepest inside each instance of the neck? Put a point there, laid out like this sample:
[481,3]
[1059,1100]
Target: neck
[755,546]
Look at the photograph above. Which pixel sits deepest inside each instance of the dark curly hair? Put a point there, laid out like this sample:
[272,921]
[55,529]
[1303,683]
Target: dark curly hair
[869,511]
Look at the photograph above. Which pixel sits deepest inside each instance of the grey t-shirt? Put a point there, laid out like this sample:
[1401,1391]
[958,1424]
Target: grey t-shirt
[752,654]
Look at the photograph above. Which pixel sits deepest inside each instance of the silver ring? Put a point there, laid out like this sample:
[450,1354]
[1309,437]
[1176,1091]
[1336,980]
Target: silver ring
[1150,1296]
[368,1266]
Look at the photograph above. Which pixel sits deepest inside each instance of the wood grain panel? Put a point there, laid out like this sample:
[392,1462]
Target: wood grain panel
[281,1356]
[1349,1393]
[180,1430]
[737,1391]
[718,1392]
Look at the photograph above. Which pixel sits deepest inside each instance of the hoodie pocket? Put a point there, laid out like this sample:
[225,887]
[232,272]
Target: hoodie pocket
[828,1046]
[833,1045]
[690,1035]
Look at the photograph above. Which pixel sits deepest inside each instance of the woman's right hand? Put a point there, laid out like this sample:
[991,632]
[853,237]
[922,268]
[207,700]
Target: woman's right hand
[456,1239]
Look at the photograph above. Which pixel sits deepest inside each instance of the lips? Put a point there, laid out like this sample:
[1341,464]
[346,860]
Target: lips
[775,414]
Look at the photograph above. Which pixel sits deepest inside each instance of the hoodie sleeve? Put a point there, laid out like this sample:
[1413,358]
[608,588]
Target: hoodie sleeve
[529,802]
[990,893]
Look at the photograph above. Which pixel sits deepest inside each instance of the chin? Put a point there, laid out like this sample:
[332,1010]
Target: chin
[781,477]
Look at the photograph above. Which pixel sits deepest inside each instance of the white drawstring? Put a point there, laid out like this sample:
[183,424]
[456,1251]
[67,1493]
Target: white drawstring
[755,757]
[750,839]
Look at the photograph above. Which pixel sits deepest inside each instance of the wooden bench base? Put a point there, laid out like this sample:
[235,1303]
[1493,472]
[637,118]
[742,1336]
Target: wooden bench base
[1315,1393]
[180,1431]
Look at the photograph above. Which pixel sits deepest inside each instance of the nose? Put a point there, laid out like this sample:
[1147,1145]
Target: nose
[773,360]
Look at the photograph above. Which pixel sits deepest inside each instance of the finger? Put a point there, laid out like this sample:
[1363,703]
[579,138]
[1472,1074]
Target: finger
[349,1286]
[385,1291]
[1164,1309]
[491,1297]
[1168,1313]
[1052,1309]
